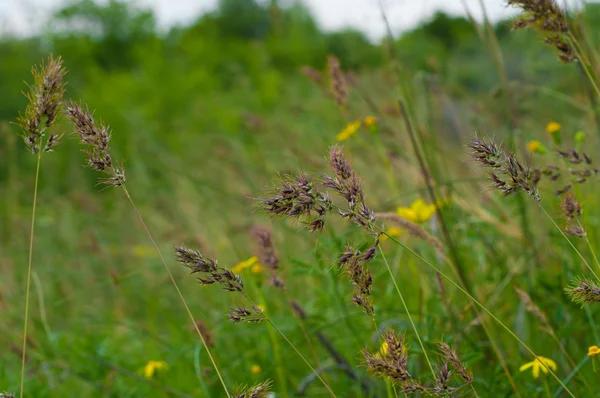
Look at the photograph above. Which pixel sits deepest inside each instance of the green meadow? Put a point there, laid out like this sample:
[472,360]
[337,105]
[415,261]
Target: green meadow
[352,283]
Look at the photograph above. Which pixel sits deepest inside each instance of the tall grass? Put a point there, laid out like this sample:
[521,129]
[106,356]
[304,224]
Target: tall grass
[394,271]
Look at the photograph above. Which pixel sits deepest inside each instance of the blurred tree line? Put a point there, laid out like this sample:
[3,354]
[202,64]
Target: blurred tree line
[116,56]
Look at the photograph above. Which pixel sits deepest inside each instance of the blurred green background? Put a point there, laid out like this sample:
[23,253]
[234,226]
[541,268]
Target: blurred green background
[203,116]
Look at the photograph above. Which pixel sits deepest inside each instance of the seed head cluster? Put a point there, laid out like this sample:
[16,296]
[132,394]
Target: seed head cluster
[354,263]
[96,138]
[339,85]
[211,272]
[295,197]
[392,365]
[546,16]
[584,291]
[241,314]
[347,184]
[267,254]
[44,102]
[506,172]
[262,390]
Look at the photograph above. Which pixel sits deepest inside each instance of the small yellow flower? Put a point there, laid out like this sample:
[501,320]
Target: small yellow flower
[348,131]
[538,364]
[536,147]
[152,367]
[418,212]
[369,121]
[255,369]
[552,127]
[532,146]
[244,264]
[261,307]
[257,268]
[593,351]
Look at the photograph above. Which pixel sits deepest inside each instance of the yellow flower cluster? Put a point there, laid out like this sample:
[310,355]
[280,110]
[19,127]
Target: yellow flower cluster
[351,128]
[251,263]
[593,351]
[418,212]
[348,131]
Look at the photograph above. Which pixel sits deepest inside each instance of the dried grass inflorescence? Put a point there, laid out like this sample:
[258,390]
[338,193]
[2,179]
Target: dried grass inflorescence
[45,99]
[548,17]
[571,210]
[262,390]
[506,172]
[241,314]
[296,197]
[96,138]
[339,85]
[267,254]
[213,273]
[533,309]
[393,365]
[578,168]
[450,356]
[354,264]
[347,184]
[584,291]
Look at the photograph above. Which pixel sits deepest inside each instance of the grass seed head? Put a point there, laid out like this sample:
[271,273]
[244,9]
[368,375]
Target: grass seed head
[44,101]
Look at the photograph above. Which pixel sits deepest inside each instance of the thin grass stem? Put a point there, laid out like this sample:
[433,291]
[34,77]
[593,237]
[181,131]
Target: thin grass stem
[483,307]
[184,302]
[568,240]
[407,311]
[29,266]
[292,345]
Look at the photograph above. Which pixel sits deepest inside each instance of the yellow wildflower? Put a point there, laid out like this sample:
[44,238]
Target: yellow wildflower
[535,146]
[593,351]
[538,364]
[418,212]
[348,131]
[369,121]
[255,369]
[152,367]
[552,127]
[244,264]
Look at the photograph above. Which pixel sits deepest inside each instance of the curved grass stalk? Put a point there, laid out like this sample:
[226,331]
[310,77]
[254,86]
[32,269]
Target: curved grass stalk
[407,311]
[184,302]
[483,307]
[29,266]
